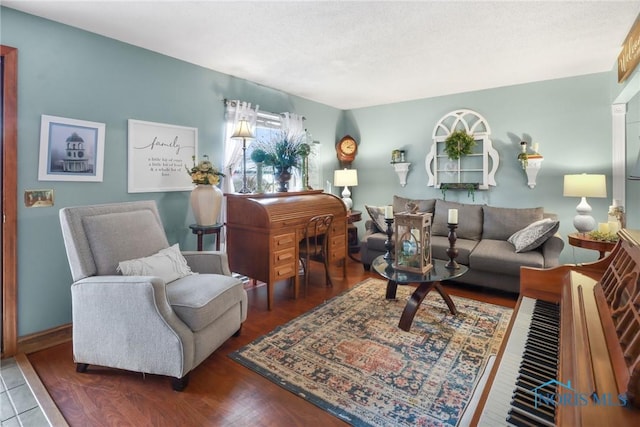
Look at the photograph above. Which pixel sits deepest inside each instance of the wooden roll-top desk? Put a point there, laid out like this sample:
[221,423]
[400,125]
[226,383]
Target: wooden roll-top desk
[263,232]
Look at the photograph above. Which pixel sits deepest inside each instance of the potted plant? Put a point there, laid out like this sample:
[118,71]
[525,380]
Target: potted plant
[282,151]
[459,143]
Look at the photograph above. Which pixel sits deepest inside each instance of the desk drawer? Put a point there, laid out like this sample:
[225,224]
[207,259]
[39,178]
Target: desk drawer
[281,241]
[285,256]
[337,247]
[284,263]
[284,271]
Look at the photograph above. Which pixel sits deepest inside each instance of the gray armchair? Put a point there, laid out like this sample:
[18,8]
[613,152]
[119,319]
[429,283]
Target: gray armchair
[140,323]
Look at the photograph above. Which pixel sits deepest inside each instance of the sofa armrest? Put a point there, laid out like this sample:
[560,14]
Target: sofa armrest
[125,322]
[370,227]
[208,262]
[551,250]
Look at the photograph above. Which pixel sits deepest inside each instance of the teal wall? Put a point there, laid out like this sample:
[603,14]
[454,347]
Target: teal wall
[569,118]
[67,72]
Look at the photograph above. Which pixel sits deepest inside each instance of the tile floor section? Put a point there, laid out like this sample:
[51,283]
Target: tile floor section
[18,406]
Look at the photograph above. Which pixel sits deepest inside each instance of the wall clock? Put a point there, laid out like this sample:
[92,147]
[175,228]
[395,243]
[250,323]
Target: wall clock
[346,150]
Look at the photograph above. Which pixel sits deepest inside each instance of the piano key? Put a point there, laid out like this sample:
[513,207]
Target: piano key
[518,421]
[500,394]
[533,418]
[540,320]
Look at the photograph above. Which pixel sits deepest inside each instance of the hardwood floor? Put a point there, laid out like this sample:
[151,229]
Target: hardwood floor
[221,392]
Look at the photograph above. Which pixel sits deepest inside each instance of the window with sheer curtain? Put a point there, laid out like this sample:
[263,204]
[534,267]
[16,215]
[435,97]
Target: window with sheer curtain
[263,125]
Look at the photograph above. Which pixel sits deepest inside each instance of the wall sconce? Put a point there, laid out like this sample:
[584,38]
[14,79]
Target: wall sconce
[346,178]
[400,165]
[531,163]
[584,186]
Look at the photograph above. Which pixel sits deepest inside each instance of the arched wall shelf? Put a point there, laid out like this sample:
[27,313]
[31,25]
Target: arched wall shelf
[479,167]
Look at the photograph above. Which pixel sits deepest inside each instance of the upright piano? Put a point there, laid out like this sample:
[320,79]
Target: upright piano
[572,353]
[263,232]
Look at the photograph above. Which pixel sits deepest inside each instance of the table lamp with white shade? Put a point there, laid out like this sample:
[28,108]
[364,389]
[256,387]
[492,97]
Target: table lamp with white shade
[583,186]
[346,178]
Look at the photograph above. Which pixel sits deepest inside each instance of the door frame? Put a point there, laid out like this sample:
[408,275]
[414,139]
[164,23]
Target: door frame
[9,157]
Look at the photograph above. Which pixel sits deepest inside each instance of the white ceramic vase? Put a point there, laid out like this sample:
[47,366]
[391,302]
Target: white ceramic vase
[206,201]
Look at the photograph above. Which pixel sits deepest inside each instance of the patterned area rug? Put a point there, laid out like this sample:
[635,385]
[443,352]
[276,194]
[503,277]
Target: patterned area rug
[349,357]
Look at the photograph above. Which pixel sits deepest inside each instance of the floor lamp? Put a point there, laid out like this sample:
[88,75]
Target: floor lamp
[243,131]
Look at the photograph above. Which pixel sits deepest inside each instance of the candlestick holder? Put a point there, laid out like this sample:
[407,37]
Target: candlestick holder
[388,244]
[452,251]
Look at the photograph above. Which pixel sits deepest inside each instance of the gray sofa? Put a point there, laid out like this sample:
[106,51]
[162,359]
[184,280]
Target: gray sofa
[483,240]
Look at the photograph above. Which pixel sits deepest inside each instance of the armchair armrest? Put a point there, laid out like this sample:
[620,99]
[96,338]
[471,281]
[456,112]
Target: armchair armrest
[125,321]
[208,262]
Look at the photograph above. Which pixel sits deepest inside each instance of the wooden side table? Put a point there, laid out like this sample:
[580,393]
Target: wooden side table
[200,230]
[352,233]
[580,240]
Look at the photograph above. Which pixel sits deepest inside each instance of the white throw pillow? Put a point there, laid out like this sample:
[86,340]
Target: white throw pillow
[534,234]
[168,264]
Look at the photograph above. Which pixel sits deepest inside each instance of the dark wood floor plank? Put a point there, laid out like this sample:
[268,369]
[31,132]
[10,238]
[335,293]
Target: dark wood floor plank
[221,392]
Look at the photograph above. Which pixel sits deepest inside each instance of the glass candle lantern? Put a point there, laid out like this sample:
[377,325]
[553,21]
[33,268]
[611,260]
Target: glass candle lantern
[412,237]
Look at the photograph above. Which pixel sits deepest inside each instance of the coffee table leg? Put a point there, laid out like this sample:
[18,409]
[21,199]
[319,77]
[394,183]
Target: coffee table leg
[445,296]
[391,289]
[413,303]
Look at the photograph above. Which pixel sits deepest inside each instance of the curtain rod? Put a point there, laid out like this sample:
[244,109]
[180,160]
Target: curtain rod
[231,102]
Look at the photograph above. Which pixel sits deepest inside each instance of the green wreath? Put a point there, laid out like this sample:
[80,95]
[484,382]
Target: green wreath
[459,143]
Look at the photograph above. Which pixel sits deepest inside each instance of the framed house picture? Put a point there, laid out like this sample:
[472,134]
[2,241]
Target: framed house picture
[71,150]
[159,156]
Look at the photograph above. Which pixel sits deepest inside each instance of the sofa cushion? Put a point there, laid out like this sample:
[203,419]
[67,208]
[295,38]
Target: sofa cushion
[469,220]
[168,264]
[199,299]
[501,223]
[376,213]
[534,234]
[109,237]
[375,242]
[439,245]
[498,256]
[424,205]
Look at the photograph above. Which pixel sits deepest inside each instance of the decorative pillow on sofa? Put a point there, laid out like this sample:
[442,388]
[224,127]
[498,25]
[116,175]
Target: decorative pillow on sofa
[377,215]
[500,223]
[424,205]
[534,235]
[168,264]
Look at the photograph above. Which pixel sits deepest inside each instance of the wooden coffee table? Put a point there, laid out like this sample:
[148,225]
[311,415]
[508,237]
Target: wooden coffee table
[426,282]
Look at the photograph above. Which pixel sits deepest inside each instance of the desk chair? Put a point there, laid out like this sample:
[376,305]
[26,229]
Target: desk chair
[314,246]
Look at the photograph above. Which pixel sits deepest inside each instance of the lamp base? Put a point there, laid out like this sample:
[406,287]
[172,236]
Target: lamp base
[346,198]
[583,222]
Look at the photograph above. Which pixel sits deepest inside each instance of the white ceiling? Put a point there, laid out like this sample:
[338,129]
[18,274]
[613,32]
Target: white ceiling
[351,54]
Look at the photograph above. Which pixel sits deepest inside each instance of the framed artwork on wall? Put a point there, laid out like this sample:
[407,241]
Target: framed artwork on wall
[71,150]
[159,156]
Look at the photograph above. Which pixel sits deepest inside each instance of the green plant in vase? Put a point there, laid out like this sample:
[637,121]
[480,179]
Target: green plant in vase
[258,155]
[282,151]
